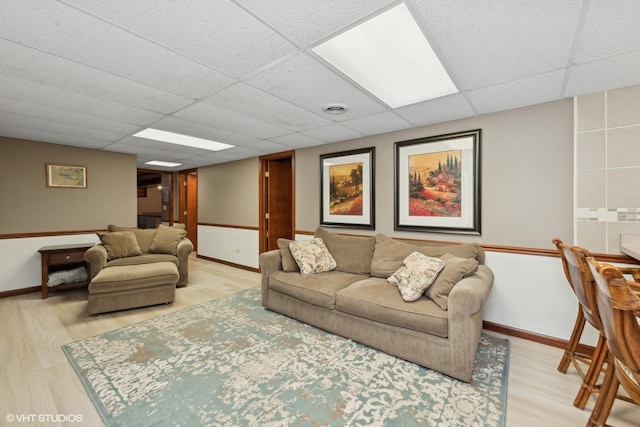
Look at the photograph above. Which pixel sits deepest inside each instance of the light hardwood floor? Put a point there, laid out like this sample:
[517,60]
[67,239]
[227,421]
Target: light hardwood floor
[38,383]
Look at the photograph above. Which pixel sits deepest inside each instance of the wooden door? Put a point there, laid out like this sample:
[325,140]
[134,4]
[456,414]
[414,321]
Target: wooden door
[277,200]
[188,196]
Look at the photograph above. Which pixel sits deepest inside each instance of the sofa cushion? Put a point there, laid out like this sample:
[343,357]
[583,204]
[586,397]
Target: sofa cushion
[416,275]
[144,236]
[120,244]
[389,253]
[317,289]
[288,263]
[455,269]
[143,259]
[353,254]
[375,300]
[166,240]
[114,279]
[312,256]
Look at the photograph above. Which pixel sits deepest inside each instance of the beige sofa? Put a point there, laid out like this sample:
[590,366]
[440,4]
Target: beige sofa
[440,330]
[134,267]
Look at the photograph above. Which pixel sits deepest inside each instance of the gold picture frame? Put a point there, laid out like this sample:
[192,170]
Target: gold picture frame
[66,176]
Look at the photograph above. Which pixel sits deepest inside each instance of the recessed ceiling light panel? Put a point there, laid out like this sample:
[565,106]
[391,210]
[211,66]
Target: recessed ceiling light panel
[163,163]
[177,138]
[390,57]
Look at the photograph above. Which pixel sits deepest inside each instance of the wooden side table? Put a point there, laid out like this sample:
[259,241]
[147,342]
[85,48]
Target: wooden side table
[63,257]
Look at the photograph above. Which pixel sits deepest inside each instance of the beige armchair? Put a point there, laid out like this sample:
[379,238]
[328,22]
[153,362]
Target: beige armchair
[134,267]
[134,246]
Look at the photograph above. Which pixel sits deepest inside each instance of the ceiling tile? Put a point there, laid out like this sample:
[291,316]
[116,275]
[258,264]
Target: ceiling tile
[20,89]
[14,131]
[218,33]
[609,29]
[262,106]
[93,42]
[489,42]
[518,93]
[177,125]
[51,114]
[297,140]
[378,123]
[333,133]
[34,123]
[199,162]
[172,124]
[235,153]
[267,147]
[221,118]
[146,153]
[309,84]
[609,73]
[31,64]
[443,109]
[306,22]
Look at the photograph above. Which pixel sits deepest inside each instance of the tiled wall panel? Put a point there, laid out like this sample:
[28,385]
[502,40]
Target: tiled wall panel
[607,143]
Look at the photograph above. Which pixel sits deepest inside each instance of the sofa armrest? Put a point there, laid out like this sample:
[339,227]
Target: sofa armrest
[184,249]
[465,311]
[470,294]
[269,262]
[96,256]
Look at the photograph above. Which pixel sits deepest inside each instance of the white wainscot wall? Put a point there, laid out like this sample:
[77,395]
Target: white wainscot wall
[20,261]
[531,293]
[235,245]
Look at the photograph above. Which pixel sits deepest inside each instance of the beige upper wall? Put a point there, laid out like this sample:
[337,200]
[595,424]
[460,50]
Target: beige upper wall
[29,206]
[526,176]
[526,191]
[228,193]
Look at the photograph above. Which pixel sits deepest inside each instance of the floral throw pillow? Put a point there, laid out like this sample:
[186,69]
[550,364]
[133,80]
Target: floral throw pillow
[416,275]
[312,256]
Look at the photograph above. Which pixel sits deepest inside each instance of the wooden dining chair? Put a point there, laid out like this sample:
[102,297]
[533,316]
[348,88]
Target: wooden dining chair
[593,359]
[618,302]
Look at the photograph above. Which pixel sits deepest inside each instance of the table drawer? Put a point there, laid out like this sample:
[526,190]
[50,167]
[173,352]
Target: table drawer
[66,258]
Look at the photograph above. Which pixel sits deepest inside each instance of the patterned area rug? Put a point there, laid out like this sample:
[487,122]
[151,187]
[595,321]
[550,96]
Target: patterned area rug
[229,362]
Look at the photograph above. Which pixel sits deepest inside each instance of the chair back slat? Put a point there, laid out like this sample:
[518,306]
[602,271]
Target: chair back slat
[619,306]
[580,279]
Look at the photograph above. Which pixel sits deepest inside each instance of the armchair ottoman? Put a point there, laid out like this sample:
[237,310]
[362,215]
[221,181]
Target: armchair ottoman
[132,286]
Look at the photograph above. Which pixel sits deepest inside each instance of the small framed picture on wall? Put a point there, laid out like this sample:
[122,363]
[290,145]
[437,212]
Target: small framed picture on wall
[66,176]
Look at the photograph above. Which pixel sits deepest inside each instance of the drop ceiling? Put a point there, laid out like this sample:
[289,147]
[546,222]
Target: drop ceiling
[91,73]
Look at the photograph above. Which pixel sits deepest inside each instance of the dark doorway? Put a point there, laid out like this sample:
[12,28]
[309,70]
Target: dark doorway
[277,204]
[155,204]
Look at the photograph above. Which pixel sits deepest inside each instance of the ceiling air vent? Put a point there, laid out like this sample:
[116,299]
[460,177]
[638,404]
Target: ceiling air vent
[335,108]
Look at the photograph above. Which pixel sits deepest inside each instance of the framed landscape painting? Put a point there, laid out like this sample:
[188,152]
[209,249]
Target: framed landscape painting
[347,189]
[437,183]
[65,176]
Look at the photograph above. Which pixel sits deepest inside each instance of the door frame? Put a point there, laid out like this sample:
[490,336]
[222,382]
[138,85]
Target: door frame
[183,200]
[262,204]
